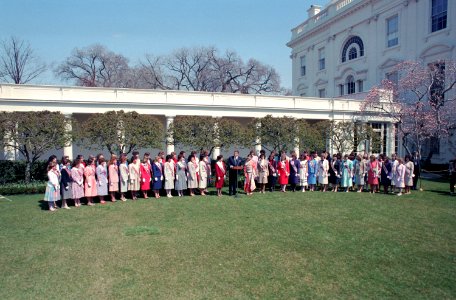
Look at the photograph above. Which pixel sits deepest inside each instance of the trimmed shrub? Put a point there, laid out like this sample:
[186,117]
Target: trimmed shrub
[14,171]
[36,187]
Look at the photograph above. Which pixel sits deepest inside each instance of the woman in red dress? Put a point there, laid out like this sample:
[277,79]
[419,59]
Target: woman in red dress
[145,176]
[283,170]
[220,171]
[372,173]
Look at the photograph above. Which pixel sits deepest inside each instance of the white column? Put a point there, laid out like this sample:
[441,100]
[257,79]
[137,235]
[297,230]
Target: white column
[296,147]
[258,141]
[10,150]
[216,150]
[68,149]
[390,138]
[169,137]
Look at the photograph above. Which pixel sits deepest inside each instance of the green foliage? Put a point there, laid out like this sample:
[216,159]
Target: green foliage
[120,132]
[33,134]
[312,136]
[199,132]
[34,187]
[277,133]
[13,171]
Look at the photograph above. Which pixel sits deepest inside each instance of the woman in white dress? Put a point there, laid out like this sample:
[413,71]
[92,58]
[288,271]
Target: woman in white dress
[53,186]
[408,178]
[202,182]
[193,174]
[323,169]
[399,176]
[263,172]
[303,172]
[123,170]
[169,175]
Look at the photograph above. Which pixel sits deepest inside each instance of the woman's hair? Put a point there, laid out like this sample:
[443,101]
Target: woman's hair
[219,157]
[113,158]
[123,158]
[90,160]
[157,158]
[51,165]
[76,162]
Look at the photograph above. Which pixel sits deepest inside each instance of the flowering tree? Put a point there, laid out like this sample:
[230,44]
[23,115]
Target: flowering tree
[422,101]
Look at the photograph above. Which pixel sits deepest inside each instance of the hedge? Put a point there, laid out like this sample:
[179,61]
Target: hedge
[14,171]
[35,187]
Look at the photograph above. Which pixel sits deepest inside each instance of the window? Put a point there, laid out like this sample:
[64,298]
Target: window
[353,40]
[350,85]
[321,59]
[393,77]
[434,145]
[360,86]
[437,96]
[303,65]
[341,89]
[352,53]
[322,93]
[392,29]
[439,15]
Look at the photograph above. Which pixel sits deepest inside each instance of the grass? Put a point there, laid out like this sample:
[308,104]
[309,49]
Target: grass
[297,245]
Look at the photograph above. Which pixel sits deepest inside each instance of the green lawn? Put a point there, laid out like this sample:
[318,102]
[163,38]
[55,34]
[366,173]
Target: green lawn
[297,245]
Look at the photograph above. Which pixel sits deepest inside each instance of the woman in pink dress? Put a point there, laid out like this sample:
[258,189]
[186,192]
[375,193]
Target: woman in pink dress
[372,174]
[113,171]
[77,173]
[90,185]
[249,184]
[145,177]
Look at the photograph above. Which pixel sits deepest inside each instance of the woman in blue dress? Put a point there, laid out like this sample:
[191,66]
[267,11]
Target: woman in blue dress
[347,173]
[157,176]
[312,178]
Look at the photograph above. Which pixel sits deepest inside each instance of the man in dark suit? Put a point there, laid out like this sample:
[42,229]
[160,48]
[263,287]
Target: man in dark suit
[234,161]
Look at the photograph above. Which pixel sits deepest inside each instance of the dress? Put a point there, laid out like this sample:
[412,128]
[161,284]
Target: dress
[303,173]
[373,172]
[135,176]
[409,169]
[202,183]
[193,174]
[359,170]
[145,177]
[181,176]
[123,171]
[90,183]
[102,180]
[66,184]
[295,166]
[169,176]
[347,173]
[77,188]
[220,171]
[53,187]
[263,171]
[113,178]
[157,176]
[394,165]
[312,178]
[283,168]
[272,169]
[323,169]
[399,176]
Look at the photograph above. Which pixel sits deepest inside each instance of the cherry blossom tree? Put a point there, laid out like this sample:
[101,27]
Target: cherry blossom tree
[422,101]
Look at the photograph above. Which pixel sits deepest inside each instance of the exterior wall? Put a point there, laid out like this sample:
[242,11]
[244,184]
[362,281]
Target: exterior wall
[342,19]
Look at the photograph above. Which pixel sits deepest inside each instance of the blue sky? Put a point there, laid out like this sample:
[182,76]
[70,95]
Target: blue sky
[253,28]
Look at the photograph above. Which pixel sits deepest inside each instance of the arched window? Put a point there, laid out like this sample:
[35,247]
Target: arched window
[350,82]
[356,40]
[352,53]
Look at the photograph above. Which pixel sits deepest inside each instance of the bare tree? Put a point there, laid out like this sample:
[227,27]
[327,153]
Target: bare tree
[18,63]
[96,66]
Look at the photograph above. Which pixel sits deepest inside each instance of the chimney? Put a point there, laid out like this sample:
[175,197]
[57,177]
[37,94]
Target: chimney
[313,10]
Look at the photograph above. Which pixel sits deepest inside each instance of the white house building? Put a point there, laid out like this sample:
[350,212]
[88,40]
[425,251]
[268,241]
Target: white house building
[345,48]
